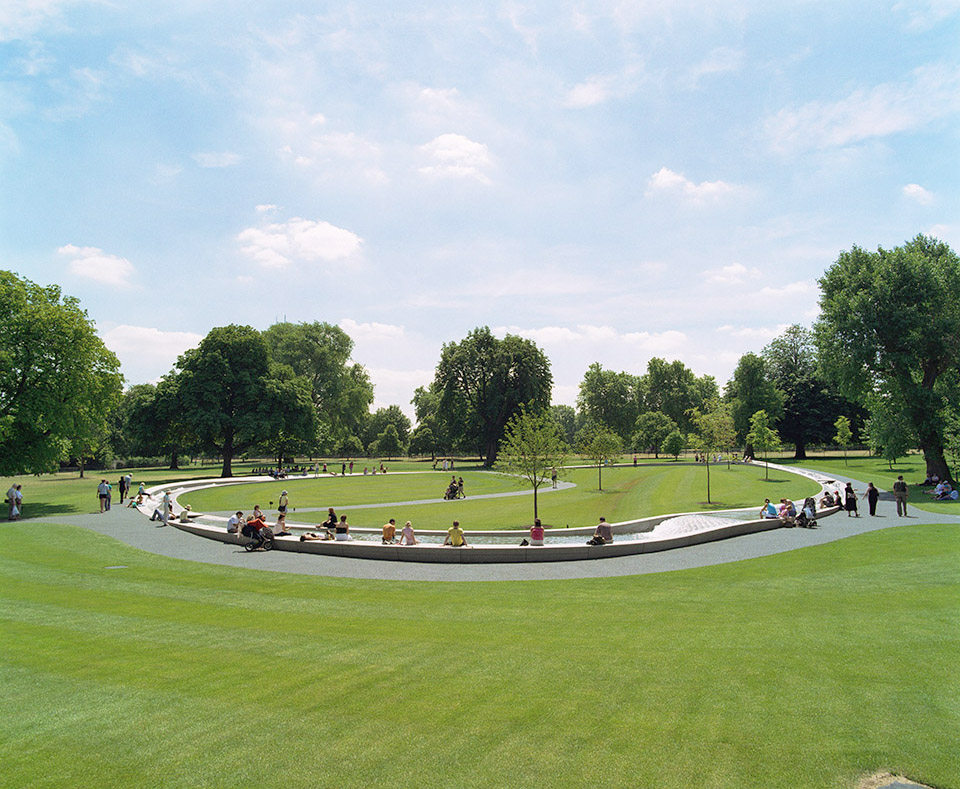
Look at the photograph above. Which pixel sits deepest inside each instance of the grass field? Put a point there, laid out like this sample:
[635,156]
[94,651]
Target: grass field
[627,493]
[805,669]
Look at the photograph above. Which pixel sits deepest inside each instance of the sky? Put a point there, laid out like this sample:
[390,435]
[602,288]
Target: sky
[614,180]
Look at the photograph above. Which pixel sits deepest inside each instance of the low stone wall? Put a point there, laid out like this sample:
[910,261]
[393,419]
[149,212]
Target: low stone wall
[494,554]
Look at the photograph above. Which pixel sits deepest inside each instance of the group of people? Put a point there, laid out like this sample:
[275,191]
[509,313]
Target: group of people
[848,499]
[15,502]
[788,513]
[105,491]
[455,489]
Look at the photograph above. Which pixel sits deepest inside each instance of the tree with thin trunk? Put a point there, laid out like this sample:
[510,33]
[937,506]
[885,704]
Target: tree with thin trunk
[531,448]
[763,437]
[713,431]
[843,435]
[600,445]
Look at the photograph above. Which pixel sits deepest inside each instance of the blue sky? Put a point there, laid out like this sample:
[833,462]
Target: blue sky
[614,180]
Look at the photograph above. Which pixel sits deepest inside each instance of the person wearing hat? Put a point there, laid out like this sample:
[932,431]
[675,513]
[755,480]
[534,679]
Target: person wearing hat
[282,504]
[900,494]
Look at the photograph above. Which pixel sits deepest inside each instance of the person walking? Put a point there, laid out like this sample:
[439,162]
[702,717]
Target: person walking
[900,493]
[103,493]
[850,500]
[872,495]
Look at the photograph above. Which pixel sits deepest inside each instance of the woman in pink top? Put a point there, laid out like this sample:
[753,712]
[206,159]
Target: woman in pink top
[536,533]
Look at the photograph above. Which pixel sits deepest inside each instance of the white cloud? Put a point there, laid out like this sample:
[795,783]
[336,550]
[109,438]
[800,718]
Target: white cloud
[93,263]
[210,159]
[761,334]
[20,18]
[600,88]
[267,208]
[149,346]
[279,244]
[721,60]
[918,194]
[667,182]
[734,274]
[456,156]
[791,290]
[371,332]
[929,93]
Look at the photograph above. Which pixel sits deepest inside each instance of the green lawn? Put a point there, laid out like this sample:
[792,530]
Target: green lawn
[805,669]
[627,493]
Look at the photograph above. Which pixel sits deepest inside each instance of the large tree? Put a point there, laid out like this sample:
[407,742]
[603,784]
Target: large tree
[374,424]
[341,391]
[652,429]
[892,318]
[610,399]
[748,391]
[673,389]
[231,399]
[600,444]
[713,431]
[809,406]
[487,379]
[58,382]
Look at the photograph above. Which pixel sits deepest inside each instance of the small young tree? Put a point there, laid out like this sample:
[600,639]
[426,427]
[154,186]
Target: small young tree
[600,445]
[763,437]
[673,444]
[714,430]
[843,435]
[532,446]
[889,432]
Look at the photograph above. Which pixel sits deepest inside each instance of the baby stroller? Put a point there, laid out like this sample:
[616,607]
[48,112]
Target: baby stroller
[807,516]
[258,538]
[450,493]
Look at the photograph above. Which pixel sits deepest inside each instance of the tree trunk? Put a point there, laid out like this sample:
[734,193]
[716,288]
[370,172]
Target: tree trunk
[800,450]
[227,470]
[490,452]
[708,479]
[174,460]
[600,475]
[534,502]
[748,451]
[81,466]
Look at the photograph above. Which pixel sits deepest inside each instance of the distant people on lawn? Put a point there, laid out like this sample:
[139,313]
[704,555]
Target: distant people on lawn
[553,476]
[282,503]
[15,502]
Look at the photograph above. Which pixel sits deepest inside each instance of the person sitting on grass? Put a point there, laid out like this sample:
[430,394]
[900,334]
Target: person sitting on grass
[603,534]
[768,510]
[407,537]
[389,532]
[455,537]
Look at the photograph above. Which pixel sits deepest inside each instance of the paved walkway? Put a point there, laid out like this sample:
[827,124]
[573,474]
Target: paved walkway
[132,528]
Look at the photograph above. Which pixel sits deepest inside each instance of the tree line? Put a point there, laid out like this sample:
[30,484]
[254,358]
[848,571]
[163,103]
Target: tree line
[880,358]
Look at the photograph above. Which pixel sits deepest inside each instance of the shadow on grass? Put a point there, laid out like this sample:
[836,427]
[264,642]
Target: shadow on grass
[43,510]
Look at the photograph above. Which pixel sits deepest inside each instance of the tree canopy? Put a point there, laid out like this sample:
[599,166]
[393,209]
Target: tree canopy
[892,317]
[610,399]
[748,391]
[482,381]
[58,381]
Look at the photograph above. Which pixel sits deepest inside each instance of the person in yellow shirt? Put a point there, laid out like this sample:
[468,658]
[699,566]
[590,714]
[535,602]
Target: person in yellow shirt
[455,536]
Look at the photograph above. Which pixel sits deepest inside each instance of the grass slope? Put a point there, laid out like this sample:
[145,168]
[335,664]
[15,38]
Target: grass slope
[804,669]
[627,493]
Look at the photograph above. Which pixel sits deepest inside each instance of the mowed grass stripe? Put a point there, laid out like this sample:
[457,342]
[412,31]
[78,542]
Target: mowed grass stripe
[800,669]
